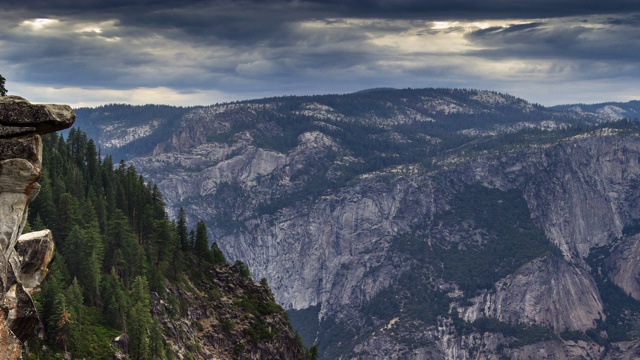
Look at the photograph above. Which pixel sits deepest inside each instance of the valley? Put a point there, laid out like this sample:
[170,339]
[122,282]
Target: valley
[413,223]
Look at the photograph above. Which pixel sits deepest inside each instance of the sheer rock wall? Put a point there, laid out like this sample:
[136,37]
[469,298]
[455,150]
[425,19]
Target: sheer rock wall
[23,258]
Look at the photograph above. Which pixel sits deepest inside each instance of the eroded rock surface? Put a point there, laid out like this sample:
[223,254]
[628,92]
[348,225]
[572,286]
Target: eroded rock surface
[23,258]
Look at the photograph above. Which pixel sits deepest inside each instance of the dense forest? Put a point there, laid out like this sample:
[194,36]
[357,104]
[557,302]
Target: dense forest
[116,248]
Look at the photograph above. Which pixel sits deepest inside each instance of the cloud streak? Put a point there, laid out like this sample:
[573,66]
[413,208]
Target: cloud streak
[191,50]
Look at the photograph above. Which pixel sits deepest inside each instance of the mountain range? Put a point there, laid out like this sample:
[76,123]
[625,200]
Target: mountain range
[412,223]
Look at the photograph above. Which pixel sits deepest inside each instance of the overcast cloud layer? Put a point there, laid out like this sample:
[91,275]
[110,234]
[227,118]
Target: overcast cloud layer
[202,52]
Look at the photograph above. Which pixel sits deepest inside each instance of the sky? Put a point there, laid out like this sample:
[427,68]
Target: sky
[179,52]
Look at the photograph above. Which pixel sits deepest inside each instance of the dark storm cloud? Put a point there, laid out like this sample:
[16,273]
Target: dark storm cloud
[308,46]
[228,17]
[261,29]
[610,39]
[633,21]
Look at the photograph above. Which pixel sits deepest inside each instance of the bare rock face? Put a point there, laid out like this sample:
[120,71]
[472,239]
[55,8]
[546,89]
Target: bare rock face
[547,291]
[23,259]
[623,266]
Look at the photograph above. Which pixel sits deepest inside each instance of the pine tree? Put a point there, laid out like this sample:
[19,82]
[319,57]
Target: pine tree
[69,206]
[139,320]
[63,322]
[201,247]
[42,206]
[93,163]
[92,251]
[181,228]
[217,256]
[3,90]
[115,300]
[54,285]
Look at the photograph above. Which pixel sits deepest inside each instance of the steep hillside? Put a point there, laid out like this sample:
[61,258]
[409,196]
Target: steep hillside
[218,312]
[421,224]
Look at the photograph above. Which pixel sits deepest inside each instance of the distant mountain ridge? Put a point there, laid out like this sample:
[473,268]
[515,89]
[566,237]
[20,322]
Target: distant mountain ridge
[127,131]
[610,111]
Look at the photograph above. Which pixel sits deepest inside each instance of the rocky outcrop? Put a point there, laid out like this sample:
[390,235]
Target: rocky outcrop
[23,258]
[20,117]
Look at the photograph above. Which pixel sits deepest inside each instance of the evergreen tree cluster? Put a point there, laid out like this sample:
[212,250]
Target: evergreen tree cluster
[115,245]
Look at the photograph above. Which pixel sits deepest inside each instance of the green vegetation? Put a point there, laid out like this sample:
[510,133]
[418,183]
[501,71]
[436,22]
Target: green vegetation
[411,297]
[115,248]
[511,239]
[574,335]
[115,245]
[337,338]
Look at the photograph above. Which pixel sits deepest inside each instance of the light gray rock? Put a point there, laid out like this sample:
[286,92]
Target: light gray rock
[33,253]
[623,266]
[18,186]
[557,350]
[548,292]
[23,259]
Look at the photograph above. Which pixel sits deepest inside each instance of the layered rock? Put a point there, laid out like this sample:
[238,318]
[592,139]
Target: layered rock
[23,258]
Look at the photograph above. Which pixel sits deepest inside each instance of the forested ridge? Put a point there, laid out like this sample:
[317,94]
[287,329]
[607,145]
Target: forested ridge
[116,249]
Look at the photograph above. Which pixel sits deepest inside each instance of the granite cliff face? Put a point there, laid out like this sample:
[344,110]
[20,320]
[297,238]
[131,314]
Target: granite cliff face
[23,257]
[433,229]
